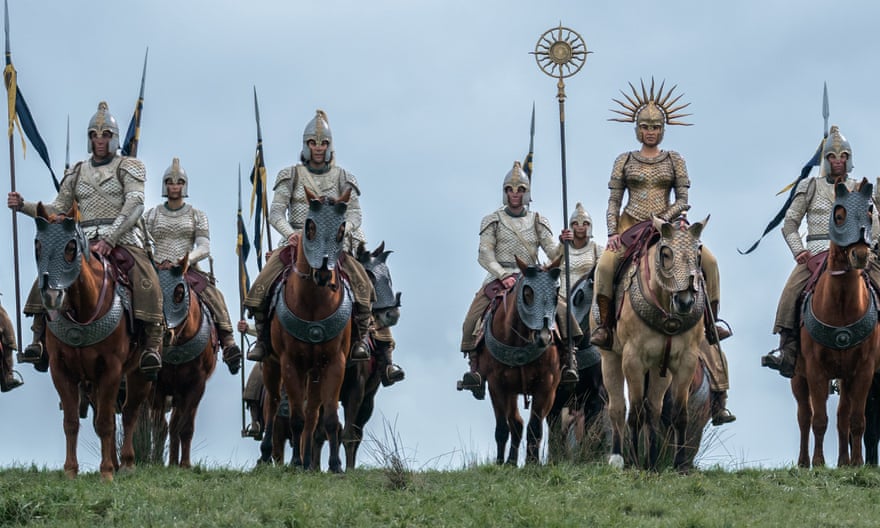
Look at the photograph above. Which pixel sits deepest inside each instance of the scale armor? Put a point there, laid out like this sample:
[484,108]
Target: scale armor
[649,181]
[288,214]
[814,198]
[179,232]
[109,208]
[502,238]
[581,261]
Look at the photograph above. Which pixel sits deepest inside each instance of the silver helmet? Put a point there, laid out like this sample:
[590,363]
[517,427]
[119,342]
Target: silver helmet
[836,144]
[103,121]
[581,216]
[175,174]
[317,129]
[514,179]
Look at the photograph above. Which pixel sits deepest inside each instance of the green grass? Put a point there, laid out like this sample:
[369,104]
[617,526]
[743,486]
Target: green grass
[563,495]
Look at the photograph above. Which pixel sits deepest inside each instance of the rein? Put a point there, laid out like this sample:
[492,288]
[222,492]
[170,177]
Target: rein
[102,296]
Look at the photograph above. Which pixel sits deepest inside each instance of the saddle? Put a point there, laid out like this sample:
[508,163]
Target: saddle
[637,239]
[196,281]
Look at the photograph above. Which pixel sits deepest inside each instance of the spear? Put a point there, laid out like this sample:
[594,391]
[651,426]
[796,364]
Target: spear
[242,249]
[529,161]
[258,193]
[67,149]
[11,90]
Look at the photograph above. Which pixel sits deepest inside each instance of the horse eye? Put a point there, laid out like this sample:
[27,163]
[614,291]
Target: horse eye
[38,248]
[528,295]
[340,233]
[70,251]
[839,216]
[666,257]
[311,230]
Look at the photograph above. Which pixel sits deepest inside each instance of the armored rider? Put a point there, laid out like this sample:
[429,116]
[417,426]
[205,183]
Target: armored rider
[179,229]
[583,251]
[109,189]
[7,337]
[813,200]
[508,232]
[318,172]
[649,175]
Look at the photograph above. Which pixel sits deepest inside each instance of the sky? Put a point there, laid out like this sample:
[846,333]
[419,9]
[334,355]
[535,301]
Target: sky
[429,104]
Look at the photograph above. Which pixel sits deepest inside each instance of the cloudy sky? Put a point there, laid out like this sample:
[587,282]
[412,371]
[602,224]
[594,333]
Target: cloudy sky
[429,104]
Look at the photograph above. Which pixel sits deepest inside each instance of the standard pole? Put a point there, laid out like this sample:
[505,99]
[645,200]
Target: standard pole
[565,246]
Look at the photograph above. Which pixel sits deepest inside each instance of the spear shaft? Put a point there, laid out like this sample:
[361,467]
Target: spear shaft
[10,81]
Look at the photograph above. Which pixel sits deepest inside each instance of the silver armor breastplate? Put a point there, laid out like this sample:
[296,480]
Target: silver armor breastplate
[818,213]
[100,197]
[174,232]
[514,237]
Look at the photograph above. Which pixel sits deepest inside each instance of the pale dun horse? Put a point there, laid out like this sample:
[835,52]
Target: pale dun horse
[665,287]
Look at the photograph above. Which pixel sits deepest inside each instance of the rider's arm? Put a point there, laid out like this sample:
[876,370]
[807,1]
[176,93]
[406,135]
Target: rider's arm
[202,242]
[795,214]
[616,187]
[281,202]
[679,188]
[63,201]
[133,175]
[486,256]
[353,213]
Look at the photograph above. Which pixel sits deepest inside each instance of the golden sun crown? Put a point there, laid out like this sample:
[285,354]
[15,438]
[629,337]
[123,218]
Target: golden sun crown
[648,100]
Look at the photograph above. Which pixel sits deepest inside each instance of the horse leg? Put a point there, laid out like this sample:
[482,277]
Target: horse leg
[68,392]
[160,430]
[680,387]
[857,392]
[636,419]
[818,398]
[872,422]
[612,376]
[333,377]
[186,410]
[271,401]
[541,404]
[502,428]
[801,391]
[365,411]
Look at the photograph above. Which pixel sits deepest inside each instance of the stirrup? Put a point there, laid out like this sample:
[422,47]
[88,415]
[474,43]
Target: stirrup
[13,382]
[775,360]
[359,352]
[602,337]
[473,382]
[257,352]
[392,374]
[32,353]
[150,363]
[722,417]
[232,358]
[254,431]
[569,376]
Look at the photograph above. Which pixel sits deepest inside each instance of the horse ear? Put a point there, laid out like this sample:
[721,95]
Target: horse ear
[520,264]
[840,190]
[554,273]
[184,263]
[346,196]
[379,250]
[42,223]
[697,229]
[556,262]
[360,253]
[310,196]
[384,256]
[74,212]
[340,207]
[866,188]
[658,224]
[41,211]
[69,223]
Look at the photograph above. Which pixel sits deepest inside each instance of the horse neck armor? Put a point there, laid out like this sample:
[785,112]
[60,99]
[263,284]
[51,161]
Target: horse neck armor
[79,335]
[581,300]
[839,337]
[314,331]
[668,322]
[512,356]
[179,354]
[175,313]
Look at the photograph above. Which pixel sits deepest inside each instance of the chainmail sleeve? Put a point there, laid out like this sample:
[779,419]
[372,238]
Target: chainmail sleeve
[486,257]
[616,186]
[551,246]
[133,174]
[280,203]
[679,188]
[353,214]
[202,240]
[795,215]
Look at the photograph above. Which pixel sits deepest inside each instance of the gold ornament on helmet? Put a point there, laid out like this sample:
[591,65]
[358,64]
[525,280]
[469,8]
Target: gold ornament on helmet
[650,107]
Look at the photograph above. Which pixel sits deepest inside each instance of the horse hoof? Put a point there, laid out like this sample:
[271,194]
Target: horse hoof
[615,461]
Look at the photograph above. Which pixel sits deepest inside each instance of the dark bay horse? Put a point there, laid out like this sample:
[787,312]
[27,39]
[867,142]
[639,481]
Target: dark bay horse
[518,355]
[659,331]
[88,340]
[363,378]
[188,359]
[311,334]
[839,337]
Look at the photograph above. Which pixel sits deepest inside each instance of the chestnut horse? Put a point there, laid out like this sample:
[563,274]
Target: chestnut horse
[188,359]
[655,348]
[518,355]
[839,337]
[363,378]
[311,334]
[88,340]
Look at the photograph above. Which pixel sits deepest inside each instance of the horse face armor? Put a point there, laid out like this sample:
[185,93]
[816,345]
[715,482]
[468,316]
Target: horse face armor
[386,308]
[59,249]
[175,296]
[324,233]
[850,220]
[677,259]
[536,295]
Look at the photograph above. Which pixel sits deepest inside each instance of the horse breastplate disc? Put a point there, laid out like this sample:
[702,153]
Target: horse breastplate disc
[839,337]
[510,355]
[314,331]
[78,335]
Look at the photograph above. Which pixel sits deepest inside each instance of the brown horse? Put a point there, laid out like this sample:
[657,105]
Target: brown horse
[311,333]
[518,355]
[188,360]
[839,337]
[655,349]
[363,378]
[88,341]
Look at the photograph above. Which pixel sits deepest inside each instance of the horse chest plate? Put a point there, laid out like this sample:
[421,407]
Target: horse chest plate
[179,354]
[839,337]
[510,355]
[666,322]
[78,335]
[314,331]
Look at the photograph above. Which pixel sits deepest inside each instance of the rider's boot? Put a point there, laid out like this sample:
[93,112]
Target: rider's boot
[35,352]
[603,335]
[783,358]
[472,380]
[720,414]
[721,331]
[260,350]
[151,359]
[363,318]
[8,381]
[231,351]
[568,359]
[390,373]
